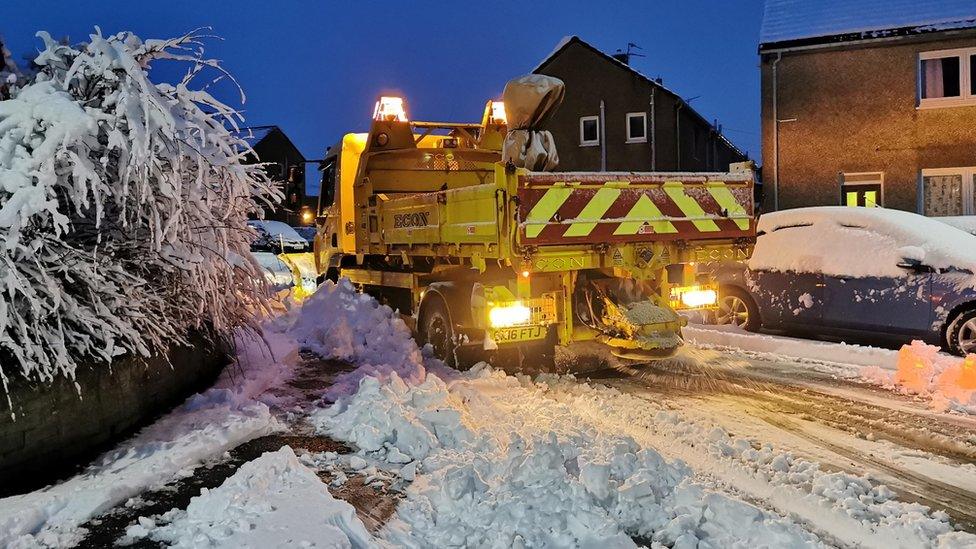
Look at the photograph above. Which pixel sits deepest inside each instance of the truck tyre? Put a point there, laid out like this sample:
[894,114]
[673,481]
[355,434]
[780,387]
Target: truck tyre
[736,307]
[435,327]
[961,333]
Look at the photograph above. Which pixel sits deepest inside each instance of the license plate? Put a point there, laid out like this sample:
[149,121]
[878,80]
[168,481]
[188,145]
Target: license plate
[518,333]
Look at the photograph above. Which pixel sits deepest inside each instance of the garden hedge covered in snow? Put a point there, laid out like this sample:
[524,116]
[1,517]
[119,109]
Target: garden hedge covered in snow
[123,207]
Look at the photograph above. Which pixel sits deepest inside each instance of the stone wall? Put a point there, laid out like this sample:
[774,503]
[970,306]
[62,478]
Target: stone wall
[59,426]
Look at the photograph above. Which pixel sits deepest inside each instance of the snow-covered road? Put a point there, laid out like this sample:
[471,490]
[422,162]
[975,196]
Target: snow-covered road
[845,425]
[722,446]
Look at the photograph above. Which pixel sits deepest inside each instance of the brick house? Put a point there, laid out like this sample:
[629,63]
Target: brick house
[870,103]
[285,164]
[614,118]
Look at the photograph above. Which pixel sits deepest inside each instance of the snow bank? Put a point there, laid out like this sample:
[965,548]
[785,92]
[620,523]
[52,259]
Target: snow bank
[208,424]
[875,241]
[805,349]
[273,501]
[496,464]
[948,381]
[339,322]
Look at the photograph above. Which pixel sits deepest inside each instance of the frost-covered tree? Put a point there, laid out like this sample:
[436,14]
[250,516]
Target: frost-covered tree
[123,207]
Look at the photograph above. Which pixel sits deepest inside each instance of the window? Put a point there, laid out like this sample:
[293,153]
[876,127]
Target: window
[862,189]
[947,78]
[637,127]
[589,131]
[948,192]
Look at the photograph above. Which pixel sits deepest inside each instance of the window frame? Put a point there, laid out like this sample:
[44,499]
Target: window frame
[879,181]
[968,174]
[595,142]
[966,95]
[643,117]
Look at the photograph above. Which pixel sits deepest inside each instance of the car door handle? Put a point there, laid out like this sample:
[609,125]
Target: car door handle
[820,285]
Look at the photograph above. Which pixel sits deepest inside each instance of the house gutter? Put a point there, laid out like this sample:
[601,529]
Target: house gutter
[779,57]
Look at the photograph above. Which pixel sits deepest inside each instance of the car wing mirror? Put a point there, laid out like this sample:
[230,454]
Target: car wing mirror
[914,265]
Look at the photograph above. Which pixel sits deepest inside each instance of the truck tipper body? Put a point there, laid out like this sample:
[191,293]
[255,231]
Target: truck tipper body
[487,259]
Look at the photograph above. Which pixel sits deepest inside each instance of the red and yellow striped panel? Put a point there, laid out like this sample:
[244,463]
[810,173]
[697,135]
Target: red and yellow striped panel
[632,208]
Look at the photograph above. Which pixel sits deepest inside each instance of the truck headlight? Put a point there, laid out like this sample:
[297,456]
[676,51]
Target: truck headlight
[513,314]
[693,297]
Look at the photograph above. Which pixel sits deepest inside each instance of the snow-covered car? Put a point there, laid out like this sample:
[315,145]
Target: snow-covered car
[859,272]
[965,222]
[277,237]
[278,274]
[308,233]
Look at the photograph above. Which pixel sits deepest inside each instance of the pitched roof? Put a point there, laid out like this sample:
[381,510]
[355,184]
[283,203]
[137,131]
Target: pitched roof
[254,134]
[824,21]
[566,41]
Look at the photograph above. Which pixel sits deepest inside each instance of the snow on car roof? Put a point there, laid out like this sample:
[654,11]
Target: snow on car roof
[833,241]
[276,228]
[964,222]
[785,20]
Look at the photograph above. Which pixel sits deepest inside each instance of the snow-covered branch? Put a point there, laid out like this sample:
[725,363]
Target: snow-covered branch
[123,207]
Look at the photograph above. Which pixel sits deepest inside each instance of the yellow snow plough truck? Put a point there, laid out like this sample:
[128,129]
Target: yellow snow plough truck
[489,256]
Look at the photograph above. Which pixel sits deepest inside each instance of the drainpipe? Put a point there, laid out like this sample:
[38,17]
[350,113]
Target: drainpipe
[652,131]
[603,138]
[677,132]
[779,57]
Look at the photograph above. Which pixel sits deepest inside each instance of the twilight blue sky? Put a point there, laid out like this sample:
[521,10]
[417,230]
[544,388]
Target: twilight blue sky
[315,68]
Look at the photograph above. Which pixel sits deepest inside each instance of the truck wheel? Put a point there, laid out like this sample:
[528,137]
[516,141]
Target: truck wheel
[961,334]
[736,307]
[435,328]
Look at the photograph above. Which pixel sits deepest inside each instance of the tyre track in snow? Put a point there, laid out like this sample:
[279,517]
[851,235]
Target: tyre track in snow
[786,400]
[960,504]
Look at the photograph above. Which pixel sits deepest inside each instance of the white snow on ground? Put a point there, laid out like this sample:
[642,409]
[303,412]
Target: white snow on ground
[503,461]
[273,501]
[502,465]
[338,322]
[486,460]
[208,424]
[850,356]
[946,381]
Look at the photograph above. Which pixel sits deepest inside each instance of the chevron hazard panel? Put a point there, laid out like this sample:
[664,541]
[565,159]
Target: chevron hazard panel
[595,208]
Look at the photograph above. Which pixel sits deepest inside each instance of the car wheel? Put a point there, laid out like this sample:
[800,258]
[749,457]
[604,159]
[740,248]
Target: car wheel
[435,328]
[737,308]
[961,335]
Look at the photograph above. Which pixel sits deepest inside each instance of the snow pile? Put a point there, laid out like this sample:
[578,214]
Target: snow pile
[339,322]
[875,241]
[948,381]
[273,501]
[207,425]
[123,207]
[498,464]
